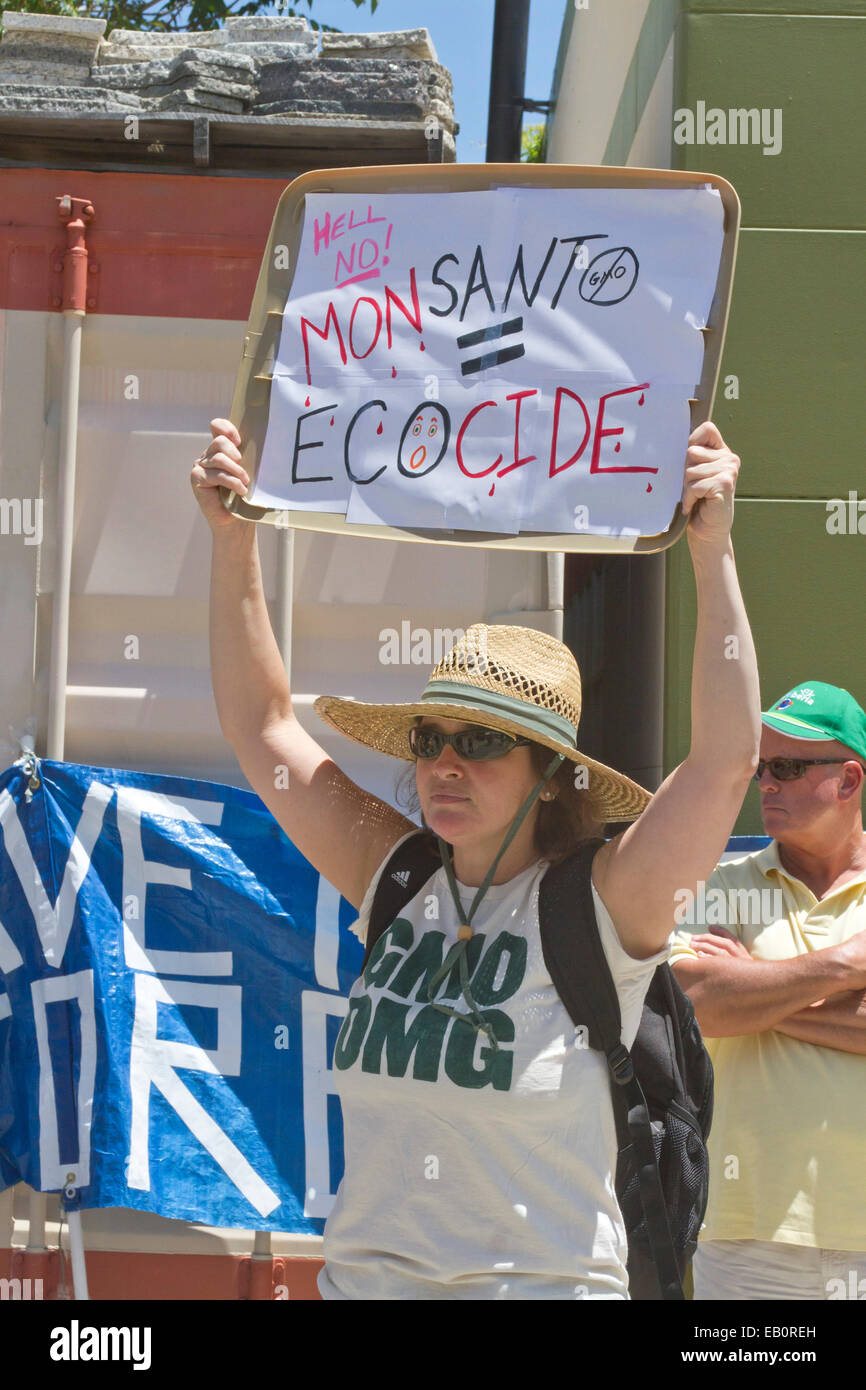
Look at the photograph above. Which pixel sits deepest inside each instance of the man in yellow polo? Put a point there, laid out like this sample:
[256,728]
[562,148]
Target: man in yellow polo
[773,956]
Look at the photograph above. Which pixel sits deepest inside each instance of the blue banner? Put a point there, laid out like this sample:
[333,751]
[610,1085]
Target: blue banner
[173,977]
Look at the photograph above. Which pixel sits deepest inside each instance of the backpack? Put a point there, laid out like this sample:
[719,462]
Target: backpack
[662,1090]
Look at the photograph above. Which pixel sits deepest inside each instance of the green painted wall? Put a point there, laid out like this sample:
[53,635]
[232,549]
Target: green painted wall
[764,7]
[794,341]
[809,68]
[804,592]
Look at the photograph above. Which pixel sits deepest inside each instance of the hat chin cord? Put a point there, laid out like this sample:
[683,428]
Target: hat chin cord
[457,954]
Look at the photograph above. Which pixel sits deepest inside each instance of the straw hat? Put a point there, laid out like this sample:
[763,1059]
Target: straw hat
[512,678]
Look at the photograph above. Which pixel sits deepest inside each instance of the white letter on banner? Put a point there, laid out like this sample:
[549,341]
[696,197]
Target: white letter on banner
[52,1171]
[10,956]
[153,1060]
[315,1009]
[10,959]
[138,872]
[327,938]
[53,923]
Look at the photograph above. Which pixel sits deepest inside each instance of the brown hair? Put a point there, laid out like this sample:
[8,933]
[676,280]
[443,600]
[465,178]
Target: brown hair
[563,823]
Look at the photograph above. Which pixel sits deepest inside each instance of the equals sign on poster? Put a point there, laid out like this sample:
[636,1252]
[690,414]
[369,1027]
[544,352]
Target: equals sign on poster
[490,335]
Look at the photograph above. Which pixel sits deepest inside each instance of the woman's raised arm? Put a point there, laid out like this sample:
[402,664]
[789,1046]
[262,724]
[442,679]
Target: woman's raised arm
[680,837]
[342,830]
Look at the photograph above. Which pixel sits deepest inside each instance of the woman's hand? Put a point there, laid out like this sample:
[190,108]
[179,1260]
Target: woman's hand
[708,489]
[219,466]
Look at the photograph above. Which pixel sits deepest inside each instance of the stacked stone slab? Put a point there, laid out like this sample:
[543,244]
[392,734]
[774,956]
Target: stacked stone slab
[358,87]
[289,37]
[49,49]
[398,45]
[211,77]
[260,66]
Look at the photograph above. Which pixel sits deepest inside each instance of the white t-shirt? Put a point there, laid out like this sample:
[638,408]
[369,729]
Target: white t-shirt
[472,1173]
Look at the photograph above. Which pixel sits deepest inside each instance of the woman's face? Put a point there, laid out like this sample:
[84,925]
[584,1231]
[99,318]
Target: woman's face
[463,800]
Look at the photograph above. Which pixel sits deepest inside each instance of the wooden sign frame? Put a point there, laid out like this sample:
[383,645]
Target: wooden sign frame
[251,399]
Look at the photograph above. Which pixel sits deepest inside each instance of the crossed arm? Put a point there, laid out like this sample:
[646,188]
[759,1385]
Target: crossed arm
[839,1022]
[818,998]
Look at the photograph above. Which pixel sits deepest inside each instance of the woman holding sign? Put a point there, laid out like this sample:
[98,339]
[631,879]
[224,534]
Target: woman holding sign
[480,1138]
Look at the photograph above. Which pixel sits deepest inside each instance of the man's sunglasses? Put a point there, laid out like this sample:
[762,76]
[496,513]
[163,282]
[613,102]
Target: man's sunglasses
[477,744]
[790,769]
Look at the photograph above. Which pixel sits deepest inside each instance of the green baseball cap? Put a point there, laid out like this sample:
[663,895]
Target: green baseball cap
[814,710]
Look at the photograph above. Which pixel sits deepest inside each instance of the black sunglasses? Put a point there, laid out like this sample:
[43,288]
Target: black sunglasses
[790,769]
[477,744]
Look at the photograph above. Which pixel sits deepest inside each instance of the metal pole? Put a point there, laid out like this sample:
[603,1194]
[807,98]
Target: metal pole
[76,213]
[76,1251]
[56,743]
[262,1245]
[507,80]
[504,132]
[556,589]
[73,323]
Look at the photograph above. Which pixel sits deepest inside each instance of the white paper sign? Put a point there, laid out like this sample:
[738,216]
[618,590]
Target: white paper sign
[505,361]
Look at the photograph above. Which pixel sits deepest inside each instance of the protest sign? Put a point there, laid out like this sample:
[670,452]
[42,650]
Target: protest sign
[173,977]
[517,364]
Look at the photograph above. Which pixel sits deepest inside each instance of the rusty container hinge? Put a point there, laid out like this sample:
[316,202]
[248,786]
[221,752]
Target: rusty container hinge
[262,1279]
[38,1274]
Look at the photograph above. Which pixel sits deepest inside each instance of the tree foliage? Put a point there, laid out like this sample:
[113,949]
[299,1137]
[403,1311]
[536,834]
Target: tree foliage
[532,144]
[174,16]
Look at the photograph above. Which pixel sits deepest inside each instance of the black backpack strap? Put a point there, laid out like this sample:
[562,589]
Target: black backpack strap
[404,875]
[574,956]
[578,967]
[650,1184]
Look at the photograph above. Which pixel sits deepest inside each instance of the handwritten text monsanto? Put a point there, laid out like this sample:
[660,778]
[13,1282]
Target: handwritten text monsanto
[579,267]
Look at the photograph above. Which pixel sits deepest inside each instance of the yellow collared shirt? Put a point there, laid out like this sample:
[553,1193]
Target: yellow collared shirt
[788,1140]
